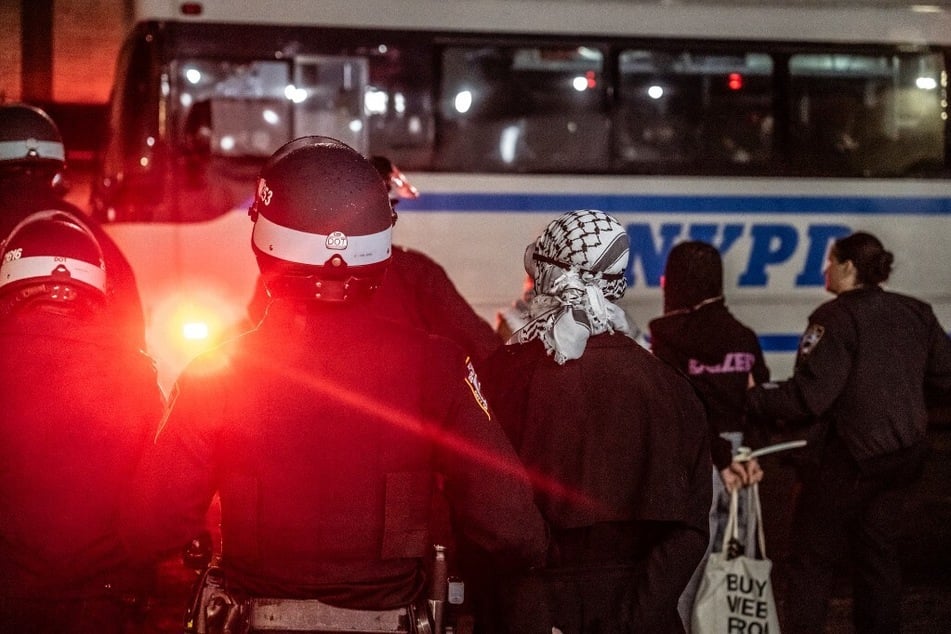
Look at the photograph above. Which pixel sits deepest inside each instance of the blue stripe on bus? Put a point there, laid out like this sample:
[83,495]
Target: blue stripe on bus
[774,343]
[706,203]
[783,343]
[779,343]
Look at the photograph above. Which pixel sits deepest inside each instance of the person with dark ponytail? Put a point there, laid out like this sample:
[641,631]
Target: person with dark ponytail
[867,368]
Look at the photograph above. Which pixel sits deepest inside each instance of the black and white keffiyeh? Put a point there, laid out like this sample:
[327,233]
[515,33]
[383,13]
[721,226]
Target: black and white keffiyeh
[578,266]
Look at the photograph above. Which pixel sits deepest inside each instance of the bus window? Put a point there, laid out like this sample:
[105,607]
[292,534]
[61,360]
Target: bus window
[328,93]
[231,109]
[693,111]
[398,101]
[228,117]
[535,109]
[867,115]
[232,115]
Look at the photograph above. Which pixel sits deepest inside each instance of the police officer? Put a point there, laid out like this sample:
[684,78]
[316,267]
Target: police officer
[418,290]
[77,408]
[322,428]
[865,364]
[619,439]
[32,164]
[721,356]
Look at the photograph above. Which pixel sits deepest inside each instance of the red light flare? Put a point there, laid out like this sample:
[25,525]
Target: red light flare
[435,433]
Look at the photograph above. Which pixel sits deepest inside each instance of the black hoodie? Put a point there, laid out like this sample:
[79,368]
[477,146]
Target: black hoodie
[717,353]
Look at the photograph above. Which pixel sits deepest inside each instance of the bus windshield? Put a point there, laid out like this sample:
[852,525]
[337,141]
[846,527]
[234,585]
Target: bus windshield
[229,115]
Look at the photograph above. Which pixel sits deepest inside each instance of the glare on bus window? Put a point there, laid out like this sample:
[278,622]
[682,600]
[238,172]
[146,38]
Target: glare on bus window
[295,94]
[375,101]
[508,143]
[463,101]
[926,83]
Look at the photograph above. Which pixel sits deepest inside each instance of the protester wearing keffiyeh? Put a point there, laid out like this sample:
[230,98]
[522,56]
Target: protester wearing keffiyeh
[577,265]
[616,440]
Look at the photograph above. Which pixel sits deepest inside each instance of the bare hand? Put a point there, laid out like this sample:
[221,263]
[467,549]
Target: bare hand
[740,474]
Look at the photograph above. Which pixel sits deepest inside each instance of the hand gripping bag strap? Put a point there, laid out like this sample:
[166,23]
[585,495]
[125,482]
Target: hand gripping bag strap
[735,593]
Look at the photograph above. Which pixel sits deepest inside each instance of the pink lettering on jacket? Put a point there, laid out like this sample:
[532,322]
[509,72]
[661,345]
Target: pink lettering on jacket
[732,362]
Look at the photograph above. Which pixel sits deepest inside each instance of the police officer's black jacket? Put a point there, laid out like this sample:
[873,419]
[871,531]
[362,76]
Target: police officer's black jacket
[77,409]
[864,366]
[322,430]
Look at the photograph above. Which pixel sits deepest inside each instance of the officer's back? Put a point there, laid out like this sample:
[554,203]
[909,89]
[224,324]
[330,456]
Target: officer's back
[323,427]
[79,405]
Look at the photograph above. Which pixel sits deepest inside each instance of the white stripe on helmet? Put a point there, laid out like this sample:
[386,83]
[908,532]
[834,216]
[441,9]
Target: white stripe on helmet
[14,150]
[315,249]
[37,266]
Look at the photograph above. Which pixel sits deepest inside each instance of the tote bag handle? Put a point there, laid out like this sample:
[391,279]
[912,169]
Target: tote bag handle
[732,533]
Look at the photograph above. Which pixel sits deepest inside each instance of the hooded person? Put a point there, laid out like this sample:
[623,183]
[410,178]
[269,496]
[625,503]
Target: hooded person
[722,357]
[616,441]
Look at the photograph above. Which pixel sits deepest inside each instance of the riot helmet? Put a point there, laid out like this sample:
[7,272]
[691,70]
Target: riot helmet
[322,221]
[52,257]
[29,138]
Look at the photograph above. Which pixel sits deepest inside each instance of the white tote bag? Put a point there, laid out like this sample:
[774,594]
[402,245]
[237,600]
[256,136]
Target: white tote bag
[736,595]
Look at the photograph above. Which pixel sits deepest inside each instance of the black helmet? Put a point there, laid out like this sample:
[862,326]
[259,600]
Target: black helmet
[51,256]
[322,221]
[29,137]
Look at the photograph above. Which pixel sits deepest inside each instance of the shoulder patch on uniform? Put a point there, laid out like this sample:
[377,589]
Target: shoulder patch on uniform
[473,381]
[811,338]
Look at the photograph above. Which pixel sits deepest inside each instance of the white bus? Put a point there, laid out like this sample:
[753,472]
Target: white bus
[766,131]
